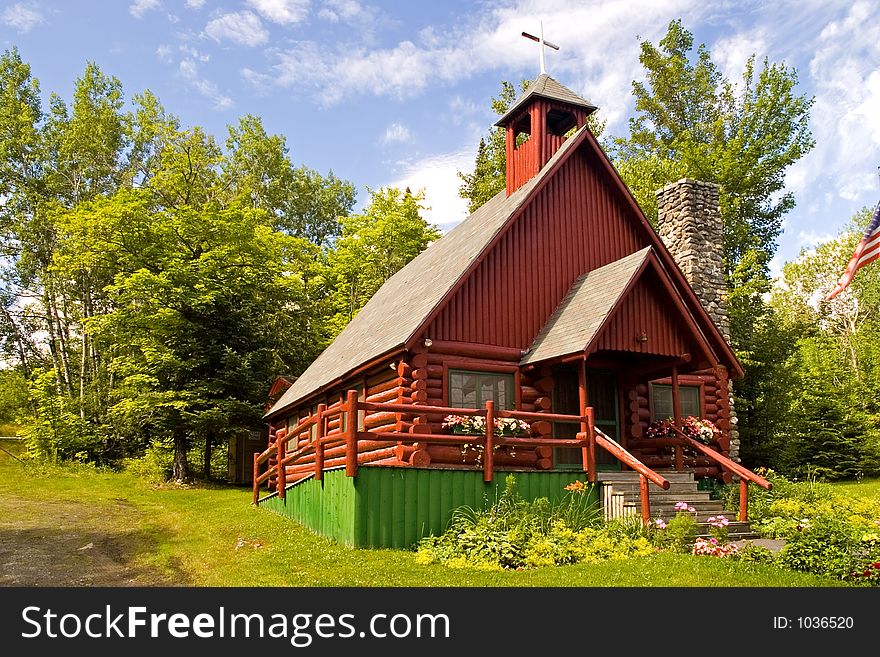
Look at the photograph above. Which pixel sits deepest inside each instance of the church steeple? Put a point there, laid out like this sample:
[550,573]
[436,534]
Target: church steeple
[536,125]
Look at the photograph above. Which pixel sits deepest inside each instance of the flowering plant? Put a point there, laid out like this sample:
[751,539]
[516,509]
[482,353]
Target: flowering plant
[504,426]
[697,428]
[476,425]
[714,548]
[718,528]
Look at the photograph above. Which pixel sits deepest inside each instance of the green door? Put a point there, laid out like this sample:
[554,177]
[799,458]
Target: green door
[602,395]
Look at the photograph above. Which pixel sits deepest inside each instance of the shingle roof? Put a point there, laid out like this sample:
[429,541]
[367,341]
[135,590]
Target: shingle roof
[547,87]
[401,305]
[580,315]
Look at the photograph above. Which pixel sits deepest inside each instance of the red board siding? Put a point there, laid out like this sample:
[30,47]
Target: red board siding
[646,309]
[574,225]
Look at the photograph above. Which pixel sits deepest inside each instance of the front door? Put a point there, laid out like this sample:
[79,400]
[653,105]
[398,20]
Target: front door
[602,395]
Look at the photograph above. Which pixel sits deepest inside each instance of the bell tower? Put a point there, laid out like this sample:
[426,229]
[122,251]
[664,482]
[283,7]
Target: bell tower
[536,126]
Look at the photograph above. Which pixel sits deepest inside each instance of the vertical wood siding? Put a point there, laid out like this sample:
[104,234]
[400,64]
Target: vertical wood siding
[574,225]
[645,309]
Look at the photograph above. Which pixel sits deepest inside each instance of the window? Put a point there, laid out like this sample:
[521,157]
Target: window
[662,401]
[473,389]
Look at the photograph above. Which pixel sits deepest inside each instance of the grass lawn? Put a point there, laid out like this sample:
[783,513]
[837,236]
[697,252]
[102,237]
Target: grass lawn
[863,488]
[68,527]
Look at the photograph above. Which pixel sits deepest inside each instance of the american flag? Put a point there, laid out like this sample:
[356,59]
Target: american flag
[866,252]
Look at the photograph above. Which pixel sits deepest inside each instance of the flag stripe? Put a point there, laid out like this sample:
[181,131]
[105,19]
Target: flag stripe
[866,252]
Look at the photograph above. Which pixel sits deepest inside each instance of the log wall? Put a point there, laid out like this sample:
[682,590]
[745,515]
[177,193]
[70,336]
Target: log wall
[715,407]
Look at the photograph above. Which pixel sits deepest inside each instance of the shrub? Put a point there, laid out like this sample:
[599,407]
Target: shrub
[514,534]
[679,534]
[830,546]
[155,465]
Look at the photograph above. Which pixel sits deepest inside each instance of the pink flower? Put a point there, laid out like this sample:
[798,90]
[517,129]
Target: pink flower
[713,541]
[692,509]
[660,524]
[681,506]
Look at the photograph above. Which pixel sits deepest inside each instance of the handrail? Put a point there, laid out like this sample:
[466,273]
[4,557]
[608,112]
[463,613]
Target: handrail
[723,461]
[745,475]
[615,449]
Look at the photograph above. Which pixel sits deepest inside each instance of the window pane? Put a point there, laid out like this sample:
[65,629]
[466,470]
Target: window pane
[662,402]
[474,389]
[662,399]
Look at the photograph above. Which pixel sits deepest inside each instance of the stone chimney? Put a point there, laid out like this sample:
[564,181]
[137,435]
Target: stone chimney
[689,222]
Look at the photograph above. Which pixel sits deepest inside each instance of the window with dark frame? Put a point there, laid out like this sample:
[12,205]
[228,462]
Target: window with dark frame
[661,401]
[472,389]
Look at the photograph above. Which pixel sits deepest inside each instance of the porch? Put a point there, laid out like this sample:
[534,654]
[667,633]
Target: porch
[337,441]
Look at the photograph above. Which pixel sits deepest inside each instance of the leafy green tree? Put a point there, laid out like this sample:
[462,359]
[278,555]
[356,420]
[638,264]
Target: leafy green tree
[691,122]
[831,423]
[302,202]
[373,247]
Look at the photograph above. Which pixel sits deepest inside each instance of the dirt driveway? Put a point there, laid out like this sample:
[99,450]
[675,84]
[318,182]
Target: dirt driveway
[71,544]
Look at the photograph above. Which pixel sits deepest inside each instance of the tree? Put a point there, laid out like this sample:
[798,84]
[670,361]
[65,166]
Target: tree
[830,424]
[691,122]
[373,247]
[488,177]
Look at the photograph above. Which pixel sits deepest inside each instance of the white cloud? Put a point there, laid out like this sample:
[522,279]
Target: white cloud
[140,7]
[397,133]
[344,10]
[490,41]
[846,116]
[731,52]
[283,12]
[241,27]
[438,176]
[164,53]
[22,17]
[188,71]
[195,4]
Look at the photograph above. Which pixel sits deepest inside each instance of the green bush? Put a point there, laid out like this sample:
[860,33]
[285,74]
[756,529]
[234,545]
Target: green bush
[514,533]
[754,554]
[154,466]
[679,534]
[832,546]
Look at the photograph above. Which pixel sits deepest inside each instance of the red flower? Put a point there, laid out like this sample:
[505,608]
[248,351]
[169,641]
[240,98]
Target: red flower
[876,565]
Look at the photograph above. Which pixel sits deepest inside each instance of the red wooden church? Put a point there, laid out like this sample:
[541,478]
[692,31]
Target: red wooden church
[556,304]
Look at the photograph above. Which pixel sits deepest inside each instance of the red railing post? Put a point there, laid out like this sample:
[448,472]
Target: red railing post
[743,499]
[319,442]
[489,447]
[679,458]
[646,500]
[256,476]
[281,478]
[351,431]
[588,453]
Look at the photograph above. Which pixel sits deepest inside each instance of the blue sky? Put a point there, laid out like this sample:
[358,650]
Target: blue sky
[397,92]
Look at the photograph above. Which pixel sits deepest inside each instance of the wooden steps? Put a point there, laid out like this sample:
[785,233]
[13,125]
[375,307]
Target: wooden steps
[683,488]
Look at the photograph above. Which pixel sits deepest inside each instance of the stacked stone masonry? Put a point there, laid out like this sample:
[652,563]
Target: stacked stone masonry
[689,218]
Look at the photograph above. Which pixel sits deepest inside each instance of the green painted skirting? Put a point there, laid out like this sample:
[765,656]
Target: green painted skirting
[386,507]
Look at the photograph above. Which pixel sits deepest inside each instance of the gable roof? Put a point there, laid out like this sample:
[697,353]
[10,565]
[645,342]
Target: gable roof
[409,297]
[582,313]
[546,87]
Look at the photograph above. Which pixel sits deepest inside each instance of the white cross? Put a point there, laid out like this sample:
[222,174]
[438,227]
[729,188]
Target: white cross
[542,43]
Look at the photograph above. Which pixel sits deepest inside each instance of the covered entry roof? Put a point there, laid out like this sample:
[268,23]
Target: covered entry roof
[590,303]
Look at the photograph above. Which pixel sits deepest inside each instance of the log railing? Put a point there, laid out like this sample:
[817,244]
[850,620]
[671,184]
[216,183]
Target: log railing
[349,445]
[646,474]
[745,475]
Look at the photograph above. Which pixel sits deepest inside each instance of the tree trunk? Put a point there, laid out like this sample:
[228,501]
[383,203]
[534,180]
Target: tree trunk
[180,468]
[209,444]
[53,342]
